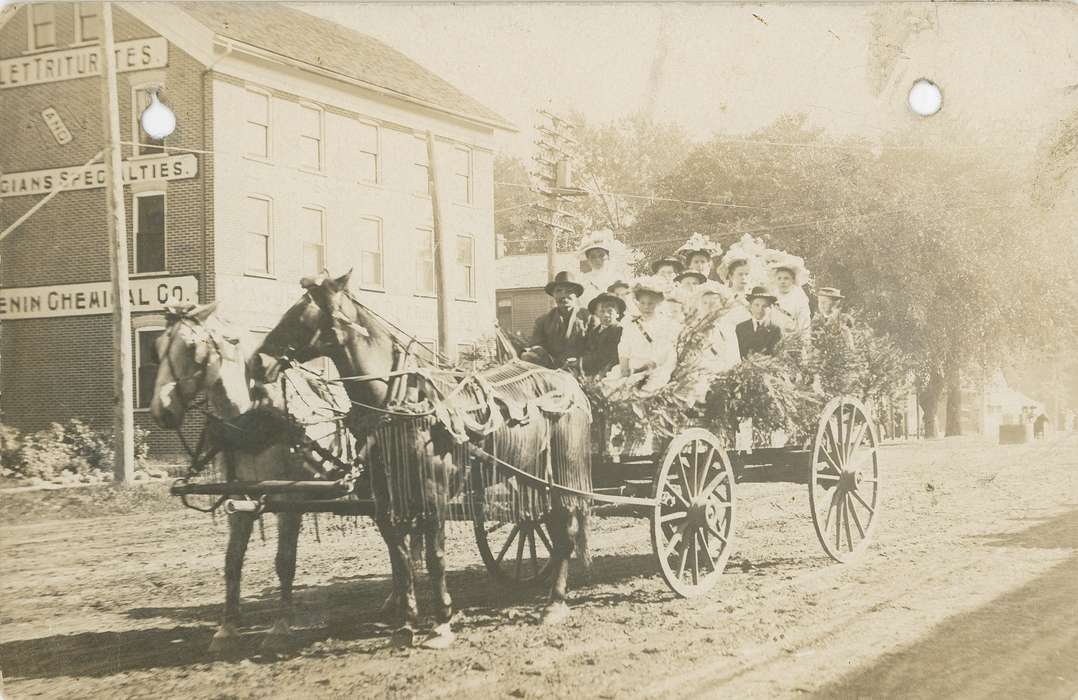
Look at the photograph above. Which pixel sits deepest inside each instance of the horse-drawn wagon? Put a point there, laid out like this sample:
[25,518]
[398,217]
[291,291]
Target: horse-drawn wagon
[684,484]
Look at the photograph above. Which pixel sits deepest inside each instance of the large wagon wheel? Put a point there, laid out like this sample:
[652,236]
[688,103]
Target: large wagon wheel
[844,486]
[692,522]
[515,553]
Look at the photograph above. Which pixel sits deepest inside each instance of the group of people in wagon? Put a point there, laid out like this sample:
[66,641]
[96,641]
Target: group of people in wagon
[625,332]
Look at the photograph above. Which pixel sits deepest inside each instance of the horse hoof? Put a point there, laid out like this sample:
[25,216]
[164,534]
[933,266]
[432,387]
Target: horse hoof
[403,637]
[275,643]
[554,614]
[441,637]
[225,644]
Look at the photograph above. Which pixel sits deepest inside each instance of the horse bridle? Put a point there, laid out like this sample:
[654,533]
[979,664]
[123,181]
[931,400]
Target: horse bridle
[187,402]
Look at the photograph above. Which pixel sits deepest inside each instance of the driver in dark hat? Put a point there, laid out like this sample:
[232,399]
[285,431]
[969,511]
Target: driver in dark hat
[559,334]
[758,334]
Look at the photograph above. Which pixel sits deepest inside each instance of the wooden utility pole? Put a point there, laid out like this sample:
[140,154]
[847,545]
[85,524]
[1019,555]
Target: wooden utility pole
[441,258]
[123,398]
[553,176]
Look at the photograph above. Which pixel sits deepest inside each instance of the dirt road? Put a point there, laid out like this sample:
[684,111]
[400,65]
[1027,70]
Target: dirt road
[969,591]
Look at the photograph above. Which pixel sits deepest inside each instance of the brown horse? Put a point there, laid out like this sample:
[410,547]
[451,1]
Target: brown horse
[420,457]
[198,356]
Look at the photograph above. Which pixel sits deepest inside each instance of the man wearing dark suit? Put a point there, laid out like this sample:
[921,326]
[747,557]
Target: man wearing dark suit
[559,333]
[757,335]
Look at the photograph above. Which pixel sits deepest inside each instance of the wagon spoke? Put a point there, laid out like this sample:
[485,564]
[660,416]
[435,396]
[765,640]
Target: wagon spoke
[542,536]
[856,519]
[827,516]
[713,485]
[838,425]
[677,495]
[681,467]
[871,510]
[846,521]
[704,544]
[697,477]
[856,441]
[849,430]
[827,477]
[669,517]
[695,559]
[531,547]
[505,547]
[520,551]
[708,461]
[838,525]
[674,539]
[684,557]
[714,531]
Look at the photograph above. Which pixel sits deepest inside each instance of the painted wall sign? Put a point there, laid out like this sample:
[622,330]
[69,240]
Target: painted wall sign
[56,126]
[147,294]
[33,182]
[81,62]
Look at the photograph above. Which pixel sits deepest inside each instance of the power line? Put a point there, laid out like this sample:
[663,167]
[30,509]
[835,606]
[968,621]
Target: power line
[650,197]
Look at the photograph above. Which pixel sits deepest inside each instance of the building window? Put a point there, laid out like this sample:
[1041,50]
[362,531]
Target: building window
[467,356]
[505,315]
[141,98]
[462,175]
[465,267]
[370,247]
[310,137]
[427,350]
[145,364]
[149,218]
[87,22]
[258,124]
[368,152]
[42,25]
[313,233]
[424,262]
[259,235]
[420,168]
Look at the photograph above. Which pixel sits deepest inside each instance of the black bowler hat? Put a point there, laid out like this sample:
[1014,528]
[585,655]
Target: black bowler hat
[761,293]
[567,277]
[607,298]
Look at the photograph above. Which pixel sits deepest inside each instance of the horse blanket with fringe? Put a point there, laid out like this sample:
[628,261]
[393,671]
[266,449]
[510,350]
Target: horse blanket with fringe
[536,419]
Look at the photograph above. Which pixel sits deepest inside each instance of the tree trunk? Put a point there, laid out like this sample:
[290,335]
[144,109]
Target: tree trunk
[928,397]
[953,420]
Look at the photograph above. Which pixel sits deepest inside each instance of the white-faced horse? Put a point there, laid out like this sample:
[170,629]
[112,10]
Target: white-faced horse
[198,355]
[418,463]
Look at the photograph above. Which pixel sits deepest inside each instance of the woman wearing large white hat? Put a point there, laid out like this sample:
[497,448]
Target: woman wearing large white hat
[648,349]
[700,254]
[598,248]
[791,311]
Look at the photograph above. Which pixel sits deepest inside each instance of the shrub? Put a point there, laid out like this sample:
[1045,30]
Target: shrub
[71,448]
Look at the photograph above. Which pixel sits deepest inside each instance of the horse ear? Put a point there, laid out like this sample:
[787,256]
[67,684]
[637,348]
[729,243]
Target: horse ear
[201,313]
[342,281]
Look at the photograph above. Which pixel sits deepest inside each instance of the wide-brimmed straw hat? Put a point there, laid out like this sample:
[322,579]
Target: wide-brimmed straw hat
[793,264]
[616,284]
[728,261]
[712,287]
[668,260]
[565,277]
[761,293]
[607,298]
[700,277]
[699,244]
[602,239]
[650,285]
[831,292]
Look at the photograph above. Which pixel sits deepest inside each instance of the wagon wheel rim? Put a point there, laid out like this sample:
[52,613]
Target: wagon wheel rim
[692,522]
[844,487]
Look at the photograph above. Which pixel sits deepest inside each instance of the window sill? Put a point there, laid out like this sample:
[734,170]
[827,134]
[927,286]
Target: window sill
[467,300]
[148,156]
[312,171]
[141,410]
[376,290]
[32,52]
[258,159]
[260,275]
[86,42]
[157,273]
[374,185]
[424,295]
[421,195]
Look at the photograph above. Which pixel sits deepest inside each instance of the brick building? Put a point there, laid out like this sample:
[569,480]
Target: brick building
[299,144]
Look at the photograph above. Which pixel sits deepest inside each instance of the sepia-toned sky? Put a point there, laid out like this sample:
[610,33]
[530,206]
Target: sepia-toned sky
[1008,72]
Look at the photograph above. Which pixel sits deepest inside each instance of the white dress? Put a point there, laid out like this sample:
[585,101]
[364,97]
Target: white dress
[595,283]
[792,315]
[653,340]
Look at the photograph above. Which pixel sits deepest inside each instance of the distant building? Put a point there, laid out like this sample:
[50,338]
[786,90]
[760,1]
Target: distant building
[520,280]
[300,144]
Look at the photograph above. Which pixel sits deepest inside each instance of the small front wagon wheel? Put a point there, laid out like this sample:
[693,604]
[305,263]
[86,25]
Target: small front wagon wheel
[844,487]
[692,521]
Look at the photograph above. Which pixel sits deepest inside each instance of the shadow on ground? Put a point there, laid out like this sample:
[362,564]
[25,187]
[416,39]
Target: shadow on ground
[1021,644]
[346,610]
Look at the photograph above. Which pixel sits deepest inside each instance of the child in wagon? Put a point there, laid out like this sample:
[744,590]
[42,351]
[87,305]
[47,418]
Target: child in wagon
[601,342]
[648,351]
